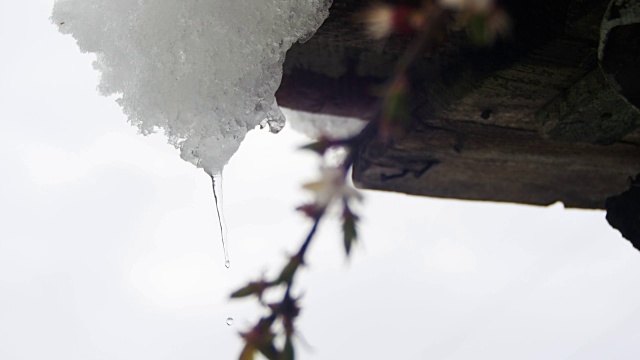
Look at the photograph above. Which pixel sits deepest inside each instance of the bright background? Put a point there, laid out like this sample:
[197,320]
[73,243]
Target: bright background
[110,250]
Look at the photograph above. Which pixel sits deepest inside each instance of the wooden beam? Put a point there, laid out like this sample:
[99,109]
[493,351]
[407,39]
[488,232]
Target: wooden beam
[499,124]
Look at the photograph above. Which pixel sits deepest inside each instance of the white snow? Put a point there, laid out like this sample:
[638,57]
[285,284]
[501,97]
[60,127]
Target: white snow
[203,71]
[317,125]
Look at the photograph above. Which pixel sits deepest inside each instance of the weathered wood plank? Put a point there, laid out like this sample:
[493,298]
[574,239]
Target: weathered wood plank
[485,126]
[465,160]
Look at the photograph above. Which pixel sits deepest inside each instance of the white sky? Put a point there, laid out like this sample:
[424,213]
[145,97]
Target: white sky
[109,248]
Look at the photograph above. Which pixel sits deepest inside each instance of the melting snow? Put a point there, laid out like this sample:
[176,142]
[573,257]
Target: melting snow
[203,71]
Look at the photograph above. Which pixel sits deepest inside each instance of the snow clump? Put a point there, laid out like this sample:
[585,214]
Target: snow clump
[203,71]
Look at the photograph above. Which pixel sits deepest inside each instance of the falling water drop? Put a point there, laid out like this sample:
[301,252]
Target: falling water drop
[229,321]
[216,184]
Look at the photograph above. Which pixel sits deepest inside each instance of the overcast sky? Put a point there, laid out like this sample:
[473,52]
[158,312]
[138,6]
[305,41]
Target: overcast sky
[109,248]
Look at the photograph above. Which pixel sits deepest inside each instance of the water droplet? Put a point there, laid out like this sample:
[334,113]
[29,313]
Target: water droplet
[216,184]
[229,321]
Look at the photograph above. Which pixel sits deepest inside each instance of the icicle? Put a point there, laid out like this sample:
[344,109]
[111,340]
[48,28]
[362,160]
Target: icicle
[216,184]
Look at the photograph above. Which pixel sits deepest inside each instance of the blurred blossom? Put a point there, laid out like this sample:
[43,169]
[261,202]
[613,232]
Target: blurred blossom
[484,20]
[331,185]
[499,23]
[484,29]
[383,19]
[473,6]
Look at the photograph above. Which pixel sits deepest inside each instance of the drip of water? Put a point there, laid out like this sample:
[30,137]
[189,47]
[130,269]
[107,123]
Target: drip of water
[216,184]
[229,321]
